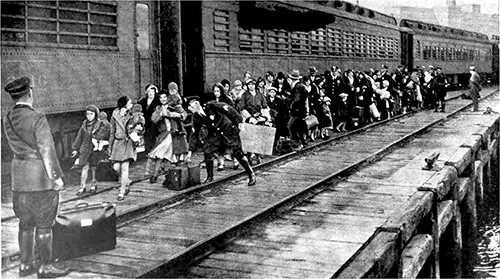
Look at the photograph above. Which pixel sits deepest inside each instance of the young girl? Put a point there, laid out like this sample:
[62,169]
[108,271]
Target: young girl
[83,145]
[122,149]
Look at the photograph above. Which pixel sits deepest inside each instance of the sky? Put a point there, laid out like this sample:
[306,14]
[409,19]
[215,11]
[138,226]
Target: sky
[487,6]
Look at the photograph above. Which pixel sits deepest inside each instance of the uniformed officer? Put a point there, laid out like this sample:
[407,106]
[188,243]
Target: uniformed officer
[475,87]
[36,179]
[216,128]
[440,87]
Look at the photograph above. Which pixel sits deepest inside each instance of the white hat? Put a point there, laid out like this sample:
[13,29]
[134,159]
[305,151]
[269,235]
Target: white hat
[472,68]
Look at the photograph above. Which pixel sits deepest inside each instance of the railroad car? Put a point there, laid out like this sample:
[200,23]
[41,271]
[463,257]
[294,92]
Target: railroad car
[495,40]
[92,52]
[452,49]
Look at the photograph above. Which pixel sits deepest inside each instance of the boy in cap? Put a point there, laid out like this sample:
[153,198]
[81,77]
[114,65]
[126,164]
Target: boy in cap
[100,139]
[35,196]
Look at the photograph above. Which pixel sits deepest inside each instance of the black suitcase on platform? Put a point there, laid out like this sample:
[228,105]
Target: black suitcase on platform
[176,178]
[105,171]
[83,230]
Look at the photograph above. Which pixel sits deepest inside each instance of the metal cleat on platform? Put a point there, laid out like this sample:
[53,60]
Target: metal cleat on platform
[430,160]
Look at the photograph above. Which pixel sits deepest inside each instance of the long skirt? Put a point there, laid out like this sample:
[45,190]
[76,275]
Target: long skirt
[163,149]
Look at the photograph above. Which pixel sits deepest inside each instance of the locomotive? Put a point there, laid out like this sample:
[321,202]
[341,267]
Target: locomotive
[92,52]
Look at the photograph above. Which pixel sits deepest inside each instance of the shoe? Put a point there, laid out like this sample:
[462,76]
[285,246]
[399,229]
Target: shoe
[153,179]
[442,110]
[26,270]
[93,187]
[81,191]
[252,180]
[121,197]
[220,168]
[50,271]
[235,167]
[300,147]
[208,180]
[127,190]
[259,160]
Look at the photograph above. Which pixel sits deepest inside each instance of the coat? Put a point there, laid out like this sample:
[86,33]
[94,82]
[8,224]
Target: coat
[279,114]
[474,83]
[252,104]
[150,131]
[179,141]
[121,145]
[83,141]
[28,132]
[218,129]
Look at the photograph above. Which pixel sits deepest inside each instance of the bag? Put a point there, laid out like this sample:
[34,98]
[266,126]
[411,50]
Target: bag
[176,178]
[256,138]
[374,111]
[105,171]
[194,175]
[311,121]
[83,230]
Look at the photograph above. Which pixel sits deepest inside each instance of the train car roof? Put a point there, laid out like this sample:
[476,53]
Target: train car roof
[421,27]
[332,8]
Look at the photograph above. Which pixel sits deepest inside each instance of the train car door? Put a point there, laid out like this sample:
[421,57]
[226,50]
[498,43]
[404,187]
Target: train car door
[407,48]
[147,57]
[192,48]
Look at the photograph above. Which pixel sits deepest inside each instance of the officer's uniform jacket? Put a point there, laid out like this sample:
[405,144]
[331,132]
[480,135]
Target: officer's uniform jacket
[219,127]
[35,164]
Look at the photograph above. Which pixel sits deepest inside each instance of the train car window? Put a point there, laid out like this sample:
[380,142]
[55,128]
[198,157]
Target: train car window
[418,50]
[427,52]
[442,53]
[382,47]
[318,41]
[300,42]
[371,14]
[334,38]
[142,28]
[221,30]
[348,43]
[449,52]
[277,41]
[360,46]
[372,50]
[252,41]
[433,53]
[81,23]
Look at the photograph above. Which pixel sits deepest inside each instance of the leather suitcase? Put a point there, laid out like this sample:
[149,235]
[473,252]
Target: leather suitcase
[194,175]
[83,230]
[105,171]
[176,178]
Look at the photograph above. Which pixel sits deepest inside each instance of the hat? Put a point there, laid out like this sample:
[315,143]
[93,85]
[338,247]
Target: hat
[272,88]
[18,87]
[250,80]
[472,68]
[173,86]
[343,95]
[102,115]
[439,68]
[189,99]
[295,74]
[93,109]
[312,70]
[136,108]
[431,67]
[151,86]
[237,82]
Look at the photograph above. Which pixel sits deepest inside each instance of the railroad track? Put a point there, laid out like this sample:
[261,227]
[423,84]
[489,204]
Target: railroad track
[197,221]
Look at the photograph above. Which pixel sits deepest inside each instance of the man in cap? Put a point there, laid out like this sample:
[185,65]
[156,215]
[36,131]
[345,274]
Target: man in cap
[440,85]
[475,87]
[216,128]
[36,179]
[294,78]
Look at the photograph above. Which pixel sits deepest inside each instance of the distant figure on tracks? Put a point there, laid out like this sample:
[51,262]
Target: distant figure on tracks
[36,180]
[216,128]
[440,87]
[475,87]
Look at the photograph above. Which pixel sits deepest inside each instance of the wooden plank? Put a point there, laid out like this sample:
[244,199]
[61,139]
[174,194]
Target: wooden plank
[415,254]
[209,272]
[446,211]
[376,259]
[464,184]
[460,160]
[312,216]
[441,182]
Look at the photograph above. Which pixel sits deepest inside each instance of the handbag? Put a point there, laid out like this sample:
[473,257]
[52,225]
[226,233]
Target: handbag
[311,121]
[84,229]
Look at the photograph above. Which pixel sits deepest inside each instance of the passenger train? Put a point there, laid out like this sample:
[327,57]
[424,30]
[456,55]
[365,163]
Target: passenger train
[92,52]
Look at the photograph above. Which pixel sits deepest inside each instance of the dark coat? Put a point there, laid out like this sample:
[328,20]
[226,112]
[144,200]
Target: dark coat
[30,134]
[299,107]
[253,104]
[179,142]
[150,131]
[83,141]
[218,129]
[280,115]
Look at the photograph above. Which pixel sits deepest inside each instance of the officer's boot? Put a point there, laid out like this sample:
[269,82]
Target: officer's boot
[26,241]
[248,169]
[443,105]
[44,245]
[209,163]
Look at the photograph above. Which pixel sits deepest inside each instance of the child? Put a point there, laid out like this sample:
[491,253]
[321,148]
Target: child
[174,103]
[100,138]
[342,113]
[135,127]
[326,117]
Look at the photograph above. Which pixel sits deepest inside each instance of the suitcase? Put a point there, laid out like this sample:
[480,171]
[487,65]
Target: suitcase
[194,175]
[105,171]
[176,178]
[83,230]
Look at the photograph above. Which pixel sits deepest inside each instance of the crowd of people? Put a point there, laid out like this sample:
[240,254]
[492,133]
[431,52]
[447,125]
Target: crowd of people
[301,108]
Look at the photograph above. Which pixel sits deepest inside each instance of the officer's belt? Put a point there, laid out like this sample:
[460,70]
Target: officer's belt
[29,156]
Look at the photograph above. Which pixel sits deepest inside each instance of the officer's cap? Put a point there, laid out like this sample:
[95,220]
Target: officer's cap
[190,99]
[18,87]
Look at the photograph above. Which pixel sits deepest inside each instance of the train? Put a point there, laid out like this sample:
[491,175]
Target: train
[92,52]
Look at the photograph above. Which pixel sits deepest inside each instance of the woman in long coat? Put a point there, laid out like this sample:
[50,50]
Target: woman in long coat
[121,146]
[91,128]
[167,143]
[149,104]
